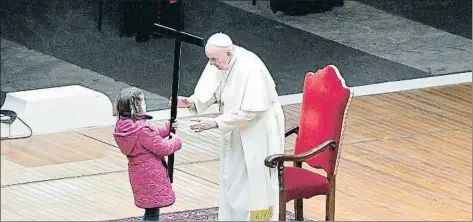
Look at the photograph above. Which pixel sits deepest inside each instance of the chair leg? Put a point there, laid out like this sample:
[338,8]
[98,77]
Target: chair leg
[299,209]
[282,210]
[282,194]
[330,201]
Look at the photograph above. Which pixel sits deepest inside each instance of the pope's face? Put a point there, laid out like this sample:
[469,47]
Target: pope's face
[218,58]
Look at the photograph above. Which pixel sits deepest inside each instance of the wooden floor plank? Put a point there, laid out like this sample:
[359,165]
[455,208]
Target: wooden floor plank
[56,156]
[13,216]
[394,115]
[100,197]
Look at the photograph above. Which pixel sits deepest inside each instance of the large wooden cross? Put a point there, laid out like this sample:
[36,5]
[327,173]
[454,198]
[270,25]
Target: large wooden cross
[179,37]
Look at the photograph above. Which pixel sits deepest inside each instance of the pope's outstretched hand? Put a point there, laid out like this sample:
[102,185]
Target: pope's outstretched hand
[202,124]
[184,102]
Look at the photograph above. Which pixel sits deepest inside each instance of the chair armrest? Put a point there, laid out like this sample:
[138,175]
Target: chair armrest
[292,130]
[273,160]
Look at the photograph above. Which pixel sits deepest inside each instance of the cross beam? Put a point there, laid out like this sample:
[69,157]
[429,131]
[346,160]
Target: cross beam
[178,37]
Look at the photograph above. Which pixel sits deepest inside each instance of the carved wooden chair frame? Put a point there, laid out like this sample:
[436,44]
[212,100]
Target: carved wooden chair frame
[279,159]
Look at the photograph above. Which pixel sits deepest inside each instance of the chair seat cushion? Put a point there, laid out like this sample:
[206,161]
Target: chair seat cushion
[300,183]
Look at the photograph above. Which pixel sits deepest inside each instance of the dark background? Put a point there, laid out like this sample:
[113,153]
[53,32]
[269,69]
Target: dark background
[67,29]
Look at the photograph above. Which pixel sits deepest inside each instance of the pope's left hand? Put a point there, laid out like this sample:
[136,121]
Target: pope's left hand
[202,124]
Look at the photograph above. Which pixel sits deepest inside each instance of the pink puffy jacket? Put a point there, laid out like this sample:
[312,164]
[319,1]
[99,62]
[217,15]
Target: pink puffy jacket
[145,149]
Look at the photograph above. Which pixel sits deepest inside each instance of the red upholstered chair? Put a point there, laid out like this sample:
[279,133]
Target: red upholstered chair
[319,134]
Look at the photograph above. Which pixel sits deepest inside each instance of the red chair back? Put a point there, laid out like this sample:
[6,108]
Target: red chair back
[324,104]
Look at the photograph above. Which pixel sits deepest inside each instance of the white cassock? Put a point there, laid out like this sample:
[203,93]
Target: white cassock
[252,127]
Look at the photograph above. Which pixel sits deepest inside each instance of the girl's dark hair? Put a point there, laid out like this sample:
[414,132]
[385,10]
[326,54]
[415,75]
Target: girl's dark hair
[129,104]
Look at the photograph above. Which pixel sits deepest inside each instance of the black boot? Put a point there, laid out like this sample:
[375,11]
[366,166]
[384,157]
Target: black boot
[151,214]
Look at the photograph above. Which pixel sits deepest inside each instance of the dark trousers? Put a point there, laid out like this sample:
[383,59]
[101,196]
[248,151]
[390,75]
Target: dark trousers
[151,214]
[139,17]
[172,15]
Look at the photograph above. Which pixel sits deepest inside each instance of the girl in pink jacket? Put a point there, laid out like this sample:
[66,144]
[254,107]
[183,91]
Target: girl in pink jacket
[145,147]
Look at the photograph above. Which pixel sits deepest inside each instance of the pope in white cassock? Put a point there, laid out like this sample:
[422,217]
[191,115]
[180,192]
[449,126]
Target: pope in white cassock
[251,121]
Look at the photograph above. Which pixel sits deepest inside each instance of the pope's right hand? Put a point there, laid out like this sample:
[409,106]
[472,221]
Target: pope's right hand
[184,102]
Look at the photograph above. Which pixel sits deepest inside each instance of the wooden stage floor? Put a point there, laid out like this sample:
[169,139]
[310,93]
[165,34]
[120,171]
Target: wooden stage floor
[406,156]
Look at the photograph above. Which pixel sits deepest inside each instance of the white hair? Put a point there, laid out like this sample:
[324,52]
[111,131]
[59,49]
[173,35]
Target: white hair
[221,41]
